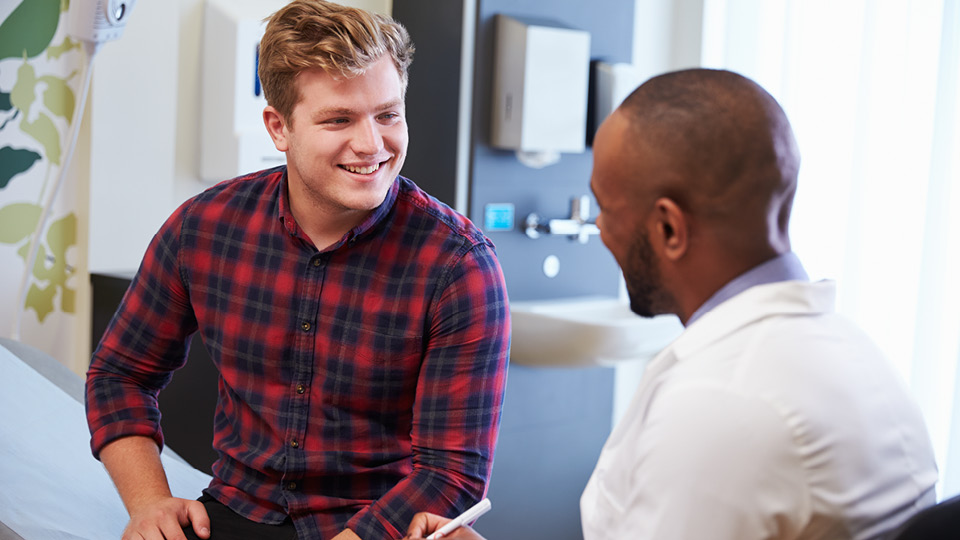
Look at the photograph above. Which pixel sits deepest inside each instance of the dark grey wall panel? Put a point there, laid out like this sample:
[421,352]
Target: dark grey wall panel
[498,177]
[495,175]
[555,421]
[433,93]
[188,403]
[554,424]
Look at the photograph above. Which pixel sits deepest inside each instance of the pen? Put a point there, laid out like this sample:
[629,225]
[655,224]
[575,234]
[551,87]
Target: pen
[471,514]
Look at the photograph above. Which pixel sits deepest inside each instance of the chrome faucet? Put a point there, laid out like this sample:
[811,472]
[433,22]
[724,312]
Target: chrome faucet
[576,226]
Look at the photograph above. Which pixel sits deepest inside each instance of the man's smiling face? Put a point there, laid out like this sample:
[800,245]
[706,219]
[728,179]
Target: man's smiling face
[346,139]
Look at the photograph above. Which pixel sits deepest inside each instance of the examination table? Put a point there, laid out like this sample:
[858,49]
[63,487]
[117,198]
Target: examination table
[51,487]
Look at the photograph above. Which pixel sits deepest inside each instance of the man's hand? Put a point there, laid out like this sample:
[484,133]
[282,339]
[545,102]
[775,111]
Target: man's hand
[166,518]
[425,523]
[135,467]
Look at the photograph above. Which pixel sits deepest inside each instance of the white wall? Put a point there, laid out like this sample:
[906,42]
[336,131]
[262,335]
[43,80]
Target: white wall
[666,35]
[133,101]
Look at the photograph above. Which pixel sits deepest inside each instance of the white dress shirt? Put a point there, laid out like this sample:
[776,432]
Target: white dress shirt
[770,417]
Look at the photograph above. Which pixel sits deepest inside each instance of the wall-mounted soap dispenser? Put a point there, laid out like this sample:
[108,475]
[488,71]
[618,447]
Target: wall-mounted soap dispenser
[540,84]
[233,138]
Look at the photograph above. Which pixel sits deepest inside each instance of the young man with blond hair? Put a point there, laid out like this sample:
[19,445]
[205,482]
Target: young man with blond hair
[359,326]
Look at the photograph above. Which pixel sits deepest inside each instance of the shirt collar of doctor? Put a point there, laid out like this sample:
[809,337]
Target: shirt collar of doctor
[783,298]
[785,267]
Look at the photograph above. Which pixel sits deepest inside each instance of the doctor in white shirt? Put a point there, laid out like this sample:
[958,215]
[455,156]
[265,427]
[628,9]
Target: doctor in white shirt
[771,416]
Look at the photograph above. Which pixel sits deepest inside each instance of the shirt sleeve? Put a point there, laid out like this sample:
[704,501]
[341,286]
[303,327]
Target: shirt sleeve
[707,463]
[456,413]
[142,346]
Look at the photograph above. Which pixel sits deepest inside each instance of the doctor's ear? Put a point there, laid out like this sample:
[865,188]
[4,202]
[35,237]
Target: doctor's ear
[670,229]
[276,126]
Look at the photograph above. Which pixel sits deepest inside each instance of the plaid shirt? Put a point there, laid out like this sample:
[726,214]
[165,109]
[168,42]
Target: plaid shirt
[358,385]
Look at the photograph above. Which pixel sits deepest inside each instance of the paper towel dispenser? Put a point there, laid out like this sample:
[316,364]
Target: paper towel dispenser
[233,138]
[613,83]
[541,79]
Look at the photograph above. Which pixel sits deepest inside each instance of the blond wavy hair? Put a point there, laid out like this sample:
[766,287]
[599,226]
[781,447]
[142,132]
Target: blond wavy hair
[309,34]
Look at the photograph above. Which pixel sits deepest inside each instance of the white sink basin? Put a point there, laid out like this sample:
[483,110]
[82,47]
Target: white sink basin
[585,331]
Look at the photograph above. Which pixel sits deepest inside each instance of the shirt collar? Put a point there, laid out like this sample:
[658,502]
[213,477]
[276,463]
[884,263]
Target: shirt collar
[379,213]
[285,214]
[785,267]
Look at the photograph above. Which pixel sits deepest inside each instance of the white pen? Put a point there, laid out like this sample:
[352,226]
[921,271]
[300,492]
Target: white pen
[471,514]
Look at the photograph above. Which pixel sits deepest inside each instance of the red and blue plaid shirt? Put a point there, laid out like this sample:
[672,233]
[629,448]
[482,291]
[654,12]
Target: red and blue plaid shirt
[358,385]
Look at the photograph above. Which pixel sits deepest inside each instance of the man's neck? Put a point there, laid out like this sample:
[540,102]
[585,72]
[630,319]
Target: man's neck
[321,224]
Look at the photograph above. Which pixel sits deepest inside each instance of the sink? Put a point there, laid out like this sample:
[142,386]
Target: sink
[585,331]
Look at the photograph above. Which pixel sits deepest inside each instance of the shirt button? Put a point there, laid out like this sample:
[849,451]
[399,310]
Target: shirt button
[294,444]
[316,262]
[305,325]
[291,486]
[301,388]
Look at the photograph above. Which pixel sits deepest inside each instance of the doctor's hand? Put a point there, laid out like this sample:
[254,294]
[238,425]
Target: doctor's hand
[424,524]
[166,518]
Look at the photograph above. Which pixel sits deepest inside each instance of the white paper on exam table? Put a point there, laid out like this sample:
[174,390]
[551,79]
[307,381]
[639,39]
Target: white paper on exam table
[50,484]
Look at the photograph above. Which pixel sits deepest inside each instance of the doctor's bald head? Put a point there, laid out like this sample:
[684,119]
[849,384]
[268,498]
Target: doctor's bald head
[724,144]
[701,165]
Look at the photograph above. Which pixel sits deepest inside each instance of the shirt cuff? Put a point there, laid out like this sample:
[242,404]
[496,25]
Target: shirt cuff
[368,525]
[118,430]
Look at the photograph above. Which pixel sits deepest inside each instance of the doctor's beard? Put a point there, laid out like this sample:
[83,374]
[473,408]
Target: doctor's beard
[645,288]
